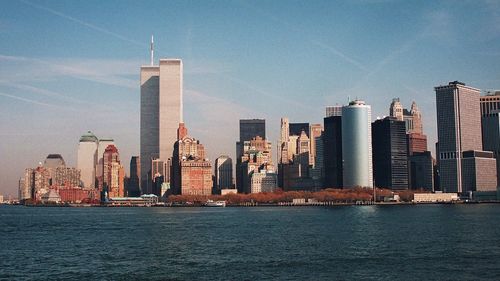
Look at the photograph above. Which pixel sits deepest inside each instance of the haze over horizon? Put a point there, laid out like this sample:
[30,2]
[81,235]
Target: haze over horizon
[67,67]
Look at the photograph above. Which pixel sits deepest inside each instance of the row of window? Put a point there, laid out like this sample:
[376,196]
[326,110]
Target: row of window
[447,155]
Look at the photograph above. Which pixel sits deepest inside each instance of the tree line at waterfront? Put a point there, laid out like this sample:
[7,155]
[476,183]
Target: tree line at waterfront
[280,196]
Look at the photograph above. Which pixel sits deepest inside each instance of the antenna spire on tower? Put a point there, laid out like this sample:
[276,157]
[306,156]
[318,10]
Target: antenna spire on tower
[152,50]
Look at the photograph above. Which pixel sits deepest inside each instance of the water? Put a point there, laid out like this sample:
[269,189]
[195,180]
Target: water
[434,242]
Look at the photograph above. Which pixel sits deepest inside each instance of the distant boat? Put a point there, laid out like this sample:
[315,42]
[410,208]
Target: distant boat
[211,203]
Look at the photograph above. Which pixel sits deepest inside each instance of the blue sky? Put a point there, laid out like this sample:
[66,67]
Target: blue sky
[71,66]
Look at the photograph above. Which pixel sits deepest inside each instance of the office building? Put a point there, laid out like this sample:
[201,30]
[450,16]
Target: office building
[53,161]
[332,152]
[421,171]
[161,113]
[87,159]
[256,158]
[223,173]
[101,147]
[191,170]
[315,131]
[490,124]
[357,145]
[318,171]
[264,181]
[295,129]
[249,129]
[463,166]
[65,176]
[133,188]
[335,110]
[113,173]
[283,142]
[390,155]
[490,103]
[26,185]
[416,140]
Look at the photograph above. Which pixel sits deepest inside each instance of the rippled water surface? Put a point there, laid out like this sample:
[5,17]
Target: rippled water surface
[434,242]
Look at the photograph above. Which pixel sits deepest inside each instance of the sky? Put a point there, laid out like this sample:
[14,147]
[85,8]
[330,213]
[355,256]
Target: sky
[67,67]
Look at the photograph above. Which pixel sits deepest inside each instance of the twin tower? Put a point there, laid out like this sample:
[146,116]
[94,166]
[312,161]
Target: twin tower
[161,114]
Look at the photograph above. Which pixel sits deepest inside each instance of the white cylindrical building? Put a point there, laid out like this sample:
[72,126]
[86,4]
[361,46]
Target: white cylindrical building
[87,159]
[357,145]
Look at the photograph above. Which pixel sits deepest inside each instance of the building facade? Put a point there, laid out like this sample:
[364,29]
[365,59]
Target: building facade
[256,158]
[460,140]
[191,170]
[490,125]
[161,113]
[390,155]
[249,129]
[87,159]
[421,171]
[334,110]
[490,103]
[113,173]
[103,143]
[223,173]
[357,145]
[133,188]
[264,181]
[332,152]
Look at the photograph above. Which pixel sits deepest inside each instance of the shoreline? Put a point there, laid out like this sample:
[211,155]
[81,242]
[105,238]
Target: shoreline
[281,204]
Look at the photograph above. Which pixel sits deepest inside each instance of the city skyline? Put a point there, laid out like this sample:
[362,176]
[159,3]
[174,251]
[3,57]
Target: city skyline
[83,76]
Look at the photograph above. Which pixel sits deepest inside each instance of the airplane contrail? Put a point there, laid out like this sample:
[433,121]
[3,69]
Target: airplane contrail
[89,25]
[27,100]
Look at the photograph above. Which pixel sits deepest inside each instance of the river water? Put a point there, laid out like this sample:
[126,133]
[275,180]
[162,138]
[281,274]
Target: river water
[433,242]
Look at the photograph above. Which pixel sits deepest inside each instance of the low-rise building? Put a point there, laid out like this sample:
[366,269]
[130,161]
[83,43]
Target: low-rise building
[435,197]
[228,191]
[263,181]
[144,200]
[51,197]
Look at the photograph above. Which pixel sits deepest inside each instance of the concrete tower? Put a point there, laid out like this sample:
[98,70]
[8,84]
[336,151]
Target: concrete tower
[396,109]
[223,173]
[87,159]
[161,113]
[463,165]
[357,145]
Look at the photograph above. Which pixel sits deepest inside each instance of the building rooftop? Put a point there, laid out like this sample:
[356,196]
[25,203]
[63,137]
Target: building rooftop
[88,137]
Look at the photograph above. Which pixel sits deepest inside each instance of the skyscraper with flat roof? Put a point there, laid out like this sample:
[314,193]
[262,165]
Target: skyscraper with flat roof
[462,163]
[491,136]
[223,173]
[332,152]
[390,155]
[249,129]
[334,110]
[490,103]
[135,170]
[87,159]
[357,145]
[161,113]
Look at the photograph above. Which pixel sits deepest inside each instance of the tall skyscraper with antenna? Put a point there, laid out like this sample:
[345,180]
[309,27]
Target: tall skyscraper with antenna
[161,113]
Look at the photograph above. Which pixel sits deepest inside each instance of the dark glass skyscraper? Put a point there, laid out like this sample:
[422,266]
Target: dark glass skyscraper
[249,129]
[390,154]
[295,129]
[133,188]
[332,152]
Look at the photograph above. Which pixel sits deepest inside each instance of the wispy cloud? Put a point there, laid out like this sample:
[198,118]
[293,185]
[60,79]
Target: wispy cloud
[108,72]
[266,94]
[28,100]
[334,50]
[84,23]
[41,91]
